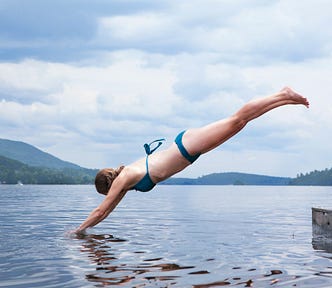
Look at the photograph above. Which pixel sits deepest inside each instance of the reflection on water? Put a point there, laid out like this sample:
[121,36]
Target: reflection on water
[174,237]
[109,271]
[322,244]
[157,272]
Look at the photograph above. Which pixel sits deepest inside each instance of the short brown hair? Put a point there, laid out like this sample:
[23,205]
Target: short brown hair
[105,178]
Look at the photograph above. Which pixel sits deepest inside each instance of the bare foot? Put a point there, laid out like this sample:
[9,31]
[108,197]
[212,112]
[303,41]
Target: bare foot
[295,97]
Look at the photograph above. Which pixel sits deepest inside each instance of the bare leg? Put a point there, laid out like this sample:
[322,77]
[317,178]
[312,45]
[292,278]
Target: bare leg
[204,139]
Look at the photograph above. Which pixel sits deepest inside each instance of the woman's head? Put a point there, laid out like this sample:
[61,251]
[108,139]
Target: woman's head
[105,178]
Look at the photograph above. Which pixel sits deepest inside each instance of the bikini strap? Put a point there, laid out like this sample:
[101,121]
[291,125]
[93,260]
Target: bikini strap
[148,149]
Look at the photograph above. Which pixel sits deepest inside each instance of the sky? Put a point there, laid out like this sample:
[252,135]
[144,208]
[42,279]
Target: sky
[92,81]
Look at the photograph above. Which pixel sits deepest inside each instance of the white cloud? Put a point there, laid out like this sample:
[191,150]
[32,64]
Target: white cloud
[177,66]
[126,98]
[117,101]
[241,31]
[134,27]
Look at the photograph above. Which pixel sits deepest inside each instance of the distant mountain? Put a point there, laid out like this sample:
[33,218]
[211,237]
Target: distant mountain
[230,178]
[235,178]
[31,155]
[13,172]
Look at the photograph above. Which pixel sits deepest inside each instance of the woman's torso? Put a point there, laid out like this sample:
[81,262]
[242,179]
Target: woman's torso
[161,165]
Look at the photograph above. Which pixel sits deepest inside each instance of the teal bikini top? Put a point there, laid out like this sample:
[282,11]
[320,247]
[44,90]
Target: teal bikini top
[146,184]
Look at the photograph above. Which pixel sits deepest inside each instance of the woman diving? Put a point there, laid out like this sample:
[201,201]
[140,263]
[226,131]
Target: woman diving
[145,173]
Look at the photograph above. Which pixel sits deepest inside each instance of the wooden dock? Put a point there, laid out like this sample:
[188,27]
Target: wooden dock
[322,223]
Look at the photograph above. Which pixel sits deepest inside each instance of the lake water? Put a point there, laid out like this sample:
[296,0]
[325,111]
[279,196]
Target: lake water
[173,236]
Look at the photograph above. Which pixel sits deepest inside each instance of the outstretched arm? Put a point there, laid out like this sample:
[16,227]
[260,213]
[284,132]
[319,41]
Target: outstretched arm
[112,199]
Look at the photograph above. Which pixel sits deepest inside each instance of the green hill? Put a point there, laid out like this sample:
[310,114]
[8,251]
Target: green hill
[314,178]
[234,178]
[230,178]
[13,172]
[31,155]
[23,162]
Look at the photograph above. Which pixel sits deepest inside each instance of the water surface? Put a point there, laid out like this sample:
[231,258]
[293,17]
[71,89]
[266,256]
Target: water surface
[174,236]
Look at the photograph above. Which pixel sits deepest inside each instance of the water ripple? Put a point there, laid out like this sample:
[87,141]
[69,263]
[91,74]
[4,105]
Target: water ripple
[176,237]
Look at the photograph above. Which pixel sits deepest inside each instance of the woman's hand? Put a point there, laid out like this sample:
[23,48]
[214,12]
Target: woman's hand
[80,232]
[76,233]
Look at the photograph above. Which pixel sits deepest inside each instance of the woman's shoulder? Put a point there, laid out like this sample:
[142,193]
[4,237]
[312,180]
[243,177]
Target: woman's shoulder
[136,167]
[131,174]
[131,170]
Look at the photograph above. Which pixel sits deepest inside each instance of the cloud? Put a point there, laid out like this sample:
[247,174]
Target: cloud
[57,30]
[268,31]
[110,76]
[242,32]
[104,104]
[127,101]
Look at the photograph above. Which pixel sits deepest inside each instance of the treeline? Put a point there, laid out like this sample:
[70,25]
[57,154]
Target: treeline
[230,178]
[13,172]
[315,178]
